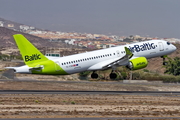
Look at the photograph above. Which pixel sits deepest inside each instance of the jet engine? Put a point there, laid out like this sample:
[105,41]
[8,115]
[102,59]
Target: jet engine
[137,63]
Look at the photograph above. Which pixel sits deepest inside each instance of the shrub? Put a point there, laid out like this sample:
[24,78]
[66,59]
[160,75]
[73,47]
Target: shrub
[73,102]
[171,79]
[145,70]
[84,74]
[135,75]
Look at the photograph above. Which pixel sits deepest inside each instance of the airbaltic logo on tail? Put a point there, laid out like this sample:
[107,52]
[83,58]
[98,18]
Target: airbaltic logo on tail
[32,57]
[143,47]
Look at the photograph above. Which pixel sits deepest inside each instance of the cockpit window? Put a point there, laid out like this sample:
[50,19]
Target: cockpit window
[168,43]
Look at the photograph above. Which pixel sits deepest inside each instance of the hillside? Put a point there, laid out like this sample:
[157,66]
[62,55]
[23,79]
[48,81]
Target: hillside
[155,64]
[7,40]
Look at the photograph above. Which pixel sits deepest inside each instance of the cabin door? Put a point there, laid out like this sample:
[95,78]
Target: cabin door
[118,53]
[161,47]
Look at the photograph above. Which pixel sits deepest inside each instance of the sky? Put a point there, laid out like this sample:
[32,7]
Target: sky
[153,18]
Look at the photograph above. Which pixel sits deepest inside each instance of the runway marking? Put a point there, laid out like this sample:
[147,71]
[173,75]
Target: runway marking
[89,92]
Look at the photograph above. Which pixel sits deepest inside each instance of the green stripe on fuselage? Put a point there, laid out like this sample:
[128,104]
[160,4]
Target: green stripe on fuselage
[48,67]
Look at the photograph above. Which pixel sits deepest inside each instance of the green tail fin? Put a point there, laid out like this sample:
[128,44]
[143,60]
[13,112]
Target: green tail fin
[29,52]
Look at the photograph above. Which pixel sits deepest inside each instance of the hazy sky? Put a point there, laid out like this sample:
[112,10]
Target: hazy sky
[154,18]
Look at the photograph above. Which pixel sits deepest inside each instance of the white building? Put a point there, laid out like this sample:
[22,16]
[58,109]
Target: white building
[24,27]
[1,23]
[71,42]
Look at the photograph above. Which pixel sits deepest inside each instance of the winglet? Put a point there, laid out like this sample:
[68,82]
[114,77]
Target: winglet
[128,52]
[29,52]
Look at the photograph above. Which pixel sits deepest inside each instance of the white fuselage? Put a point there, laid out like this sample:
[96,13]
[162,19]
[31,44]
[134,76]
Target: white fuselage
[82,62]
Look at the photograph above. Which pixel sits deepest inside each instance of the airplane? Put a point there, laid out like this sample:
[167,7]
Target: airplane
[133,56]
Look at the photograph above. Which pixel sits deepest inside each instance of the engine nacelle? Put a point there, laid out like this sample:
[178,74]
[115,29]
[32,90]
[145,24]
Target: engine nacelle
[137,63]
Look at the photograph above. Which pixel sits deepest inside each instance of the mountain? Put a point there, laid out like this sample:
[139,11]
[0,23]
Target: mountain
[9,28]
[15,26]
[6,39]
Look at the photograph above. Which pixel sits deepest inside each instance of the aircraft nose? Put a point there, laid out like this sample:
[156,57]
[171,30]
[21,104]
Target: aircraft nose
[174,47]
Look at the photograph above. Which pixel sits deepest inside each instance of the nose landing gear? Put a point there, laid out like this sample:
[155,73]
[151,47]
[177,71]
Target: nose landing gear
[164,59]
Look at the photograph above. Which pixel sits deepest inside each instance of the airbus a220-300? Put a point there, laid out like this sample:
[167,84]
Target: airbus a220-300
[134,56]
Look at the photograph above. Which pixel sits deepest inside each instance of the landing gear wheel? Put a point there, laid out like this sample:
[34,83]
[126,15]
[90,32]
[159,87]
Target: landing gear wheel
[113,75]
[164,61]
[94,75]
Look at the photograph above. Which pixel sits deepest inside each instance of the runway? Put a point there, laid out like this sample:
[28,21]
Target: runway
[76,100]
[154,93]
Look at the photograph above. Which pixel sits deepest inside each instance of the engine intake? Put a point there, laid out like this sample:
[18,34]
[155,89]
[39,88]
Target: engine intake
[137,63]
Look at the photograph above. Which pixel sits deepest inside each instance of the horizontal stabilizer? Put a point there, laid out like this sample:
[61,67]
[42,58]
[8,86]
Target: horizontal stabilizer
[11,68]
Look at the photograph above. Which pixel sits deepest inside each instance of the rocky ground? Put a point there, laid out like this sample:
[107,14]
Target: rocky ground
[59,106]
[87,105]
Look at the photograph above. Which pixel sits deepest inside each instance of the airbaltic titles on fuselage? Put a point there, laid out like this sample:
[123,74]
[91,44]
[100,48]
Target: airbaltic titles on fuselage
[143,47]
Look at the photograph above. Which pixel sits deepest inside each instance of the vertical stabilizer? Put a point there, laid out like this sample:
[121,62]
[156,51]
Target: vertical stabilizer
[29,52]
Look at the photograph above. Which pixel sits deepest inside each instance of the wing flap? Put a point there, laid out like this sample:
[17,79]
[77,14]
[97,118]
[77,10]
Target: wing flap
[113,62]
[110,63]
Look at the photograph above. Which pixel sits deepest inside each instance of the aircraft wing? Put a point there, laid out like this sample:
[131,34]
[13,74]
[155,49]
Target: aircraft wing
[124,60]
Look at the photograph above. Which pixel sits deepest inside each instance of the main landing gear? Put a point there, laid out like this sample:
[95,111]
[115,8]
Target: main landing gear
[94,75]
[112,75]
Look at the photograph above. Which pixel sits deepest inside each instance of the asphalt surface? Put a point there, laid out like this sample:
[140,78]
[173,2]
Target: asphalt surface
[90,92]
